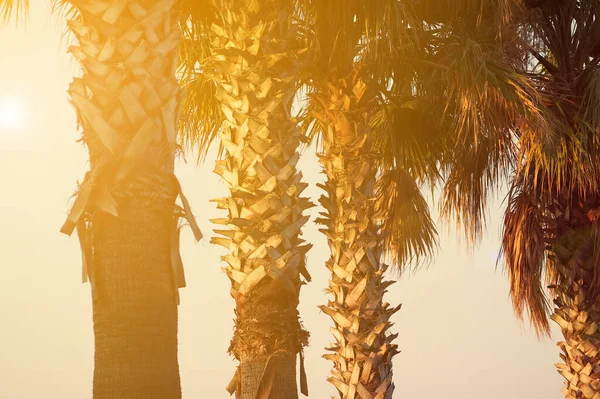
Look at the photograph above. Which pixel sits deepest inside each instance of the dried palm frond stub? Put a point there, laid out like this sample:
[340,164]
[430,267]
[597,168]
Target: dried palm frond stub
[363,346]
[128,113]
[255,64]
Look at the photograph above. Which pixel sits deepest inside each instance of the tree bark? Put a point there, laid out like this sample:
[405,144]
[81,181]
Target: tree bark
[134,307]
[253,371]
[579,325]
[256,65]
[574,255]
[127,103]
[363,349]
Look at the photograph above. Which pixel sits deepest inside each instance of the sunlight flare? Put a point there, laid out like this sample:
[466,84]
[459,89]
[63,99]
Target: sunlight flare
[11,115]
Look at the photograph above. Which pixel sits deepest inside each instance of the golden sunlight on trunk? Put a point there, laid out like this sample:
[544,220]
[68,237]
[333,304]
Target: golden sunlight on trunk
[256,68]
[363,350]
[127,103]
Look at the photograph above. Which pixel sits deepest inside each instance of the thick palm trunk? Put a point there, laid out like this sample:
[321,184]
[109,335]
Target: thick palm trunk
[577,310]
[256,68]
[135,309]
[363,349]
[127,102]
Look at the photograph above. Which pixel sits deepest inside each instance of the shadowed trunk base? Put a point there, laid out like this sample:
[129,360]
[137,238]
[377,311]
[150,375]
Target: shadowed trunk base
[268,326]
[284,382]
[135,310]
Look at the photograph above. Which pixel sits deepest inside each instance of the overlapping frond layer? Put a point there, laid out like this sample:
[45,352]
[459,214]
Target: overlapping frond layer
[524,246]
[552,225]
[256,63]
[484,101]
[201,115]
[574,256]
[363,348]
[409,145]
[408,231]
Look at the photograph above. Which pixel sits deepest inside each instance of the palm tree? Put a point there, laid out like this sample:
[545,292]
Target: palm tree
[457,110]
[127,102]
[551,226]
[242,64]
[374,157]
[549,143]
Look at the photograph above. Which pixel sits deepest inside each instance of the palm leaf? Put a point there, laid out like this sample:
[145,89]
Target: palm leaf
[13,9]
[409,232]
[524,246]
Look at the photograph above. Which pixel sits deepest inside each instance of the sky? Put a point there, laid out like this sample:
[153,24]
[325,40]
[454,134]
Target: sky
[458,336]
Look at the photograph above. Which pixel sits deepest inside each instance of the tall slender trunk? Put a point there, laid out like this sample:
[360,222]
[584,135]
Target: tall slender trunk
[256,68]
[362,354]
[126,102]
[577,306]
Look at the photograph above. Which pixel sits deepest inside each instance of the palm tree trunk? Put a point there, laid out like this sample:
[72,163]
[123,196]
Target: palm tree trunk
[135,308]
[579,325]
[577,306]
[256,67]
[126,102]
[363,352]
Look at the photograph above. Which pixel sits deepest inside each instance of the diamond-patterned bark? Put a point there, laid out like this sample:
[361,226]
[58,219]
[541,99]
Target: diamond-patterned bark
[577,310]
[256,65]
[363,349]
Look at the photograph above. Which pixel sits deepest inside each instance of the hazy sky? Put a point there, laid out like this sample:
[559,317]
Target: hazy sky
[458,336]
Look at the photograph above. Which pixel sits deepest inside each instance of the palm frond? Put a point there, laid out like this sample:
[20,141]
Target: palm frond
[16,10]
[408,230]
[65,11]
[201,116]
[407,136]
[524,246]
[590,105]
[484,101]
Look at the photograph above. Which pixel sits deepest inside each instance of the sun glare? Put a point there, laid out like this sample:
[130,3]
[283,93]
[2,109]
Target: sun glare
[11,115]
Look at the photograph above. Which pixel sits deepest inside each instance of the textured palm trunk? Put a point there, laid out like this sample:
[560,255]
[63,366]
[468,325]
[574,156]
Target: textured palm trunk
[135,309]
[256,67]
[127,102]
[363,349]
[577,310]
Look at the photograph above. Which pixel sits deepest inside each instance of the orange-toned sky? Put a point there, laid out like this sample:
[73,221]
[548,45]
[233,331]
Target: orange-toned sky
[458,336]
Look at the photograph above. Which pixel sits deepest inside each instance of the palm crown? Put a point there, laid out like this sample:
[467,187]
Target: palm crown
[550,225]
[457,93]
